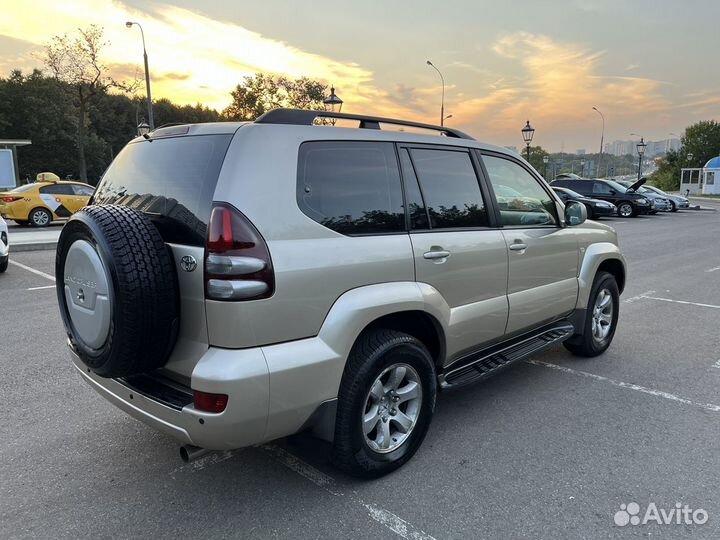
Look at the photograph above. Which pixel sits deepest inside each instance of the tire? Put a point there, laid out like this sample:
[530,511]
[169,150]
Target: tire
[117,289]
[625,209]
[40,217]
[673,207]
[376,355]
[4,264]
[589,344]
[590,213]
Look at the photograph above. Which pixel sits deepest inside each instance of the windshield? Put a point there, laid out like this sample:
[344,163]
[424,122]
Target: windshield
[617,187]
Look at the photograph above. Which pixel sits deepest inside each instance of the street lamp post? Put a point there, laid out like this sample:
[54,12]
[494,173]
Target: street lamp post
[545,162]
[602,139]
[442,99]
[527,134]
[151,119]
[333,101]
[640,150]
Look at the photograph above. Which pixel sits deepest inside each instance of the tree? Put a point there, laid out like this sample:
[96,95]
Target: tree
[536,157]
[76,62]
[702,140]
[262,92]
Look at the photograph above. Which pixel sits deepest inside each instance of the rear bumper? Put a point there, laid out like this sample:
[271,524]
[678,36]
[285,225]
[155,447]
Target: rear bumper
[301,374]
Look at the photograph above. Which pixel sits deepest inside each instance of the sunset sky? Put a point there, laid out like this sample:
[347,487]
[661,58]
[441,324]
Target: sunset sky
[650,66]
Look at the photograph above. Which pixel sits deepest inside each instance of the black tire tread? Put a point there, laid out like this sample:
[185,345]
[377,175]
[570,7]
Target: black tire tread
[145,303]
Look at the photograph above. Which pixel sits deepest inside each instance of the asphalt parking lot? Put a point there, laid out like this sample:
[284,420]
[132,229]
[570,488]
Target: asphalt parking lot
[547,449]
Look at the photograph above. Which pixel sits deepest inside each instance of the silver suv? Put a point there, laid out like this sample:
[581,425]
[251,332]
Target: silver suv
[233,283]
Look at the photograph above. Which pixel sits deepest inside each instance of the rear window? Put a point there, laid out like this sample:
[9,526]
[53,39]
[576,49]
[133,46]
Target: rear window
[171,179]
[351,187]
[57,189]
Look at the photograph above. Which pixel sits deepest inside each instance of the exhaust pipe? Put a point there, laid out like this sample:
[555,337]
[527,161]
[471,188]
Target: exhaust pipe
[190,453]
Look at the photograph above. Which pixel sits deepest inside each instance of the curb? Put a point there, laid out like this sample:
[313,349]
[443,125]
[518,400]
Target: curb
[37,246]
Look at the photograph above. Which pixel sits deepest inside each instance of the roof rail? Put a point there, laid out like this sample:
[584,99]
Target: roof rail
[300,117]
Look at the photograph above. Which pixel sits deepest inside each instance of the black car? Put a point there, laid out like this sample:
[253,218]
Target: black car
[595,207]
[628,203]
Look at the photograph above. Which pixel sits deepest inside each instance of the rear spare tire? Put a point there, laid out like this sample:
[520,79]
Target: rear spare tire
[117,289]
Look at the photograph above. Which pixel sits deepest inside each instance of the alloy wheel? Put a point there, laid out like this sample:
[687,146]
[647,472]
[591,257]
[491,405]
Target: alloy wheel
[602,316]
[392,408]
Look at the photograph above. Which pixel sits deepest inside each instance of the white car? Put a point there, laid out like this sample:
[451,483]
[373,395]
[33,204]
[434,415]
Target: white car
[4,246]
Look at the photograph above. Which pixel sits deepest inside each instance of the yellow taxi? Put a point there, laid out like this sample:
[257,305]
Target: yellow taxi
[40,203]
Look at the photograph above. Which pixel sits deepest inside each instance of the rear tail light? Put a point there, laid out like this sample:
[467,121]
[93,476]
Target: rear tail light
[10,199]
[207,402]
[237,259]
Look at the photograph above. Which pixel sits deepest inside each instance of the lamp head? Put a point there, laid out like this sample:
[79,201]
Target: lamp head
[129,24]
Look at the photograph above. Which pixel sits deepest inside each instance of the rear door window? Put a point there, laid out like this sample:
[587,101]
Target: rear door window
[601,188]
[450,188]
[82,191]
[351,187]
[57,189]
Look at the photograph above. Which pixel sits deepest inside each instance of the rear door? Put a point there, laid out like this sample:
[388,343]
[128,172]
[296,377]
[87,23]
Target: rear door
[543,255]
[58,198]
[454,246]
[82,196]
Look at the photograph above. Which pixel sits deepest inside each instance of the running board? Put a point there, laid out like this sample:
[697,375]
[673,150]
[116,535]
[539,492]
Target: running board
[490,361]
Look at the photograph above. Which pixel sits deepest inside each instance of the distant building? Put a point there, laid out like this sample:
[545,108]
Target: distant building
[653,149]
[580,152]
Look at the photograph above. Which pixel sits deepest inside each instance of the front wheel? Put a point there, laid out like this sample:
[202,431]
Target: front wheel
[600,319]
[673,207]
[4,263]
[625,209]
[590,213]
[385,404]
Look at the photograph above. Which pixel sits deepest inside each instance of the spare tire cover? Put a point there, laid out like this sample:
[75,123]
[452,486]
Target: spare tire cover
[117,289]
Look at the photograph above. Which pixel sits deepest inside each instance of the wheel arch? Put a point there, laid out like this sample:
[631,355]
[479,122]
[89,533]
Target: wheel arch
[600,256]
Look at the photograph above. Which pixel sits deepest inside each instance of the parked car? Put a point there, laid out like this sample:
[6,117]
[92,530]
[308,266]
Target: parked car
[40,203]
[628,203]
[662,204]
[4,246]
[676,201]
[595,207]
[330,279]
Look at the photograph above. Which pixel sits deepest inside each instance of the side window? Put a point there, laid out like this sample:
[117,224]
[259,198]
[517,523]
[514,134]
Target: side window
[601,188]
[351,187]
[520,197]
[450,188]
[82,191]
[57,189]
[415,203]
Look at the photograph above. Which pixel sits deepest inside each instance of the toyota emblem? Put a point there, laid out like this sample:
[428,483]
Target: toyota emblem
[188,263]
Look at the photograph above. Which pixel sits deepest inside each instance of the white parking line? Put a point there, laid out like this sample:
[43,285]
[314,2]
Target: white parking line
[638,297]
[681,302]
[716,364]
[206,461]
[630,386]
[29,269]
[386,518]
[714,269]
[40,288]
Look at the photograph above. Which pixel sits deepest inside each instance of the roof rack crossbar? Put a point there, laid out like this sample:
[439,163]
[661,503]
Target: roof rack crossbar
[301,117]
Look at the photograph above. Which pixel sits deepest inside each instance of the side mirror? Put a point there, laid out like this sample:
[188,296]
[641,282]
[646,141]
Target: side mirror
[575,213]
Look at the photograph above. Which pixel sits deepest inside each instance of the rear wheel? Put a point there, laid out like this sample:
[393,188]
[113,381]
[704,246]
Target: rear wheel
[40,217]
[625,209]
[385,404]
[600,319]
[4,263]
[590,213]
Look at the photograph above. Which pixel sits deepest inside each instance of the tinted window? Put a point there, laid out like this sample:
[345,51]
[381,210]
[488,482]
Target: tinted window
[450,188]
[600,188]
[57,189]
[172,179]
[520,197]
[83,191]
[351,187]
[415,203]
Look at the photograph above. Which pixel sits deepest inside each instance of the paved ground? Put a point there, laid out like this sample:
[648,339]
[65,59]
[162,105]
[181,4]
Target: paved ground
[549,449]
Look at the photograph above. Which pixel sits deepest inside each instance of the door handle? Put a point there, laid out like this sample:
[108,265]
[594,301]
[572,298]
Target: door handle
[518,246]
[434,255]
